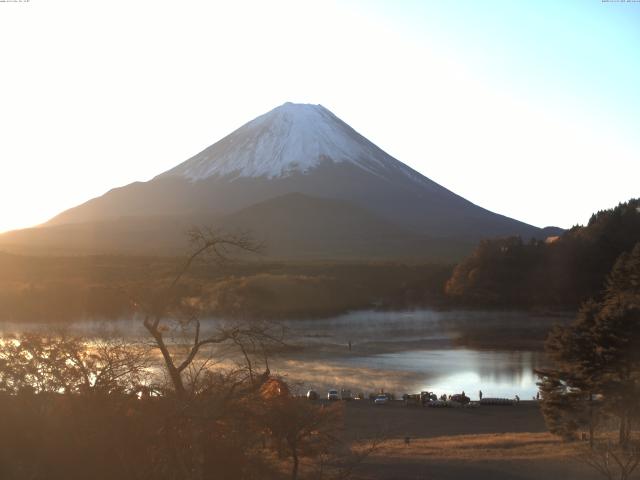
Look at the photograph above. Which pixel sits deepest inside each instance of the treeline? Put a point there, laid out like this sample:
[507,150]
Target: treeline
[43,289]
[61,289]
[562,272]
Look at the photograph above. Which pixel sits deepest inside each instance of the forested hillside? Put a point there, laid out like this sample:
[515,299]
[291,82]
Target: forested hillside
[52,289]
[560,272]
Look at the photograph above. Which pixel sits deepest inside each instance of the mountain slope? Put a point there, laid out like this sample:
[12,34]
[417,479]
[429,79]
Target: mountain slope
[292,149]
[293,226]
[300,226]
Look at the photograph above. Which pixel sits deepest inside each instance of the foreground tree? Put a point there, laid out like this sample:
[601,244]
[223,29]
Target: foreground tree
[597,359]
[73,409]
[209,431]
[56,426]
[296,426]
[569,388]
[65,401]
[249,338]
[33,363]
[612,462]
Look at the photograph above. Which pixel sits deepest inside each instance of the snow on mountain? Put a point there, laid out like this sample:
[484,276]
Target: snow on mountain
[292,138]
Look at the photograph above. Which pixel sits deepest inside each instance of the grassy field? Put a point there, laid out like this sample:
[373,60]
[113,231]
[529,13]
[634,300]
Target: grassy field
[487,442]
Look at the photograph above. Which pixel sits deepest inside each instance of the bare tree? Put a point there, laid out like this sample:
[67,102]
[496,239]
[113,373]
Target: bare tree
[247,337]
[613,462]
[344,457]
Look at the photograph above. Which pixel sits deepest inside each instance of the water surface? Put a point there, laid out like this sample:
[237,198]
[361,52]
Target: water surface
[415,351]
[442,351]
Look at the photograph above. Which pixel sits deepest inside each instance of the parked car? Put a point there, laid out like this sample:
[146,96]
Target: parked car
[346,394]
[381,399]
[427,397]
[333,395]
[460,398]
[312,395]
[412,399]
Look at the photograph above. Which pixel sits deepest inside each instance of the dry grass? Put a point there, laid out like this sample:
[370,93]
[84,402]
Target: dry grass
[497,446]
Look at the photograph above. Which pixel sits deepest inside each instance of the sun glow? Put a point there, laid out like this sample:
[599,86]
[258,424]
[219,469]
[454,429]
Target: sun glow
[99,95]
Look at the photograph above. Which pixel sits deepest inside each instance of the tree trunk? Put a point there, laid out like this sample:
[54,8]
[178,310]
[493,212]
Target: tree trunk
[174,373]
[176,378]
[294,470]
[590,420]
[624,429]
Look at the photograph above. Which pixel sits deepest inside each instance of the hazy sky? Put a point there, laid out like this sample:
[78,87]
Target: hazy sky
[530,109]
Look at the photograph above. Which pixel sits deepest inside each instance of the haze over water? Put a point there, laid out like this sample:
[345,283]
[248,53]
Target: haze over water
[412,351]
[401,352]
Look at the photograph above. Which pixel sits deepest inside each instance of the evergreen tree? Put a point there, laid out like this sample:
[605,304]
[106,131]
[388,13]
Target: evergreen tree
[597,357]
[563,273]
[617,339]
[568,388]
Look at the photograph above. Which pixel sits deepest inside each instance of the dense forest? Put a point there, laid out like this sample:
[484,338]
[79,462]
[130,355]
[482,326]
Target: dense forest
[60,289]
[559,272]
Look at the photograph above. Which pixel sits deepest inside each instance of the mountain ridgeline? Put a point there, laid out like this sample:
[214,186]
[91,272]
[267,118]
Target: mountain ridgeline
[301,180]
[509,272]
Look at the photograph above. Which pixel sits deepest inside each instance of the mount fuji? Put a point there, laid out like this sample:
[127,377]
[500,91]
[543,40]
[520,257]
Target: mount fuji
[300,179]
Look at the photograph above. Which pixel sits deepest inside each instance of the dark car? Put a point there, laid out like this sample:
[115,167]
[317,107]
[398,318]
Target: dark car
[411,399]
[461,398]
[312,395]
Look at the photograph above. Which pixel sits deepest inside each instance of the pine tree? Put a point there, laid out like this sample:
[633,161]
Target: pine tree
[568,389]
[597,357]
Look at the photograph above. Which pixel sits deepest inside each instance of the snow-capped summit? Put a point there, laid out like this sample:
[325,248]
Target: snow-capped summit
[291,138]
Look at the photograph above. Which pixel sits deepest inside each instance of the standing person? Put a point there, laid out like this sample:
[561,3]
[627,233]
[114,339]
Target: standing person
[349,345]
[480,394]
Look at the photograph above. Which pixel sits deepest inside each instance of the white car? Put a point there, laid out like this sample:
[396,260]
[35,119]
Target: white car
[381,400]
[333,395]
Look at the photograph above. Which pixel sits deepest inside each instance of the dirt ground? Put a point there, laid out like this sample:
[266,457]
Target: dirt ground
[476,443]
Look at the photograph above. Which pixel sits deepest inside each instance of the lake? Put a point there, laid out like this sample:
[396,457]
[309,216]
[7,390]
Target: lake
[402,352]
[406,352]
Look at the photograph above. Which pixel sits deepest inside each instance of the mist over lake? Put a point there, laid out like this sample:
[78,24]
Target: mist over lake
[398,351]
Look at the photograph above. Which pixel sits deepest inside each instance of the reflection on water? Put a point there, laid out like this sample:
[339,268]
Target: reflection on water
[413,351]
[395,351]
[496,373]
[489,367]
